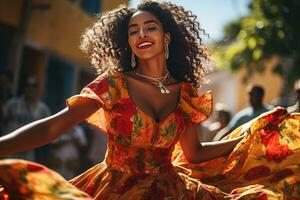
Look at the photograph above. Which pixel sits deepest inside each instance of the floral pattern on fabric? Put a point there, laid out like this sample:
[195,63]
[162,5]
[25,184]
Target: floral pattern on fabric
[264,165]
[31,181]
[145,161]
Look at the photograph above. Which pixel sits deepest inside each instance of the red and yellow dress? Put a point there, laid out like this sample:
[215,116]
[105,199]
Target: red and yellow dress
[145,161]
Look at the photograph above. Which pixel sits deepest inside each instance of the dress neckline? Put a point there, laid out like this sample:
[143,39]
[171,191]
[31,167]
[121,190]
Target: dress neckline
[161,121]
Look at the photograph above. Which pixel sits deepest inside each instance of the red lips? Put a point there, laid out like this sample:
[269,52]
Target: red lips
[144,44]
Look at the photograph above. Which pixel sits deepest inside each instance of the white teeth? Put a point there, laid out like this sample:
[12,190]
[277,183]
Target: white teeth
[144,44]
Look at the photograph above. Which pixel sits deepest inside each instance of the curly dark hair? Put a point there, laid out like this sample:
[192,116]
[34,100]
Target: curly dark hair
[106,42]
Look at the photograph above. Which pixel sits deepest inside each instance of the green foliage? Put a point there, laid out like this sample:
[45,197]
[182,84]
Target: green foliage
[271,28]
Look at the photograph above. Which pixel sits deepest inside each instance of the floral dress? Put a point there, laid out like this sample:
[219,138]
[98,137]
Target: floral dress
[144,159]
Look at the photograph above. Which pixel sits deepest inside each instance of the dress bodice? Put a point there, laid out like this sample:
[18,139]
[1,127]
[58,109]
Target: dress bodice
[137,143]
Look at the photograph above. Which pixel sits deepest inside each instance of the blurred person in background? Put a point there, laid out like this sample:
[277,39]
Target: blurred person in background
[65,156]
[256,94]
[95,151]
[22,110]
[6,80]
[221,119]
[255,97]
[296,106]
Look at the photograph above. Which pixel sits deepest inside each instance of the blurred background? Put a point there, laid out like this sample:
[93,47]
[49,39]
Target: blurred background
[252,42]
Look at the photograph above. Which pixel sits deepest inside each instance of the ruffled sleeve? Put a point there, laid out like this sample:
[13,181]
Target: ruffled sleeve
[104,91]
[195,108]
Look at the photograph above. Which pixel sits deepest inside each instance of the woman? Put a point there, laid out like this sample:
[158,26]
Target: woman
[145,101]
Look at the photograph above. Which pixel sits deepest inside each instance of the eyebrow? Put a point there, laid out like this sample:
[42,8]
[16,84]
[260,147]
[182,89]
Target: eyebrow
[146,22]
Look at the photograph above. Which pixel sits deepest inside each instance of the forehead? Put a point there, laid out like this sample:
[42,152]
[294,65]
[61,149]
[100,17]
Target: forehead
[140,17]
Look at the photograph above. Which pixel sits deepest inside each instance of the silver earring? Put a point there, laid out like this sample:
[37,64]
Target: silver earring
[133,63]
[167,51]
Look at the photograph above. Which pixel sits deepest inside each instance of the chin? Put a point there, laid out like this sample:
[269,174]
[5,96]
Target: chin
[146,56]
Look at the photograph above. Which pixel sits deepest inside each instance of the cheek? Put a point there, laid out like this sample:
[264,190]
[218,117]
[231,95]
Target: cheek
[159,39]
[131,42]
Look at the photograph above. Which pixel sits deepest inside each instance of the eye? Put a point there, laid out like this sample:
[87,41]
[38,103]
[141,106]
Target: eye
[133,32]
[151,28]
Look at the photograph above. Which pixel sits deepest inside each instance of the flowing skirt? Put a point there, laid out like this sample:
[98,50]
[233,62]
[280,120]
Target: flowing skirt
[265,165]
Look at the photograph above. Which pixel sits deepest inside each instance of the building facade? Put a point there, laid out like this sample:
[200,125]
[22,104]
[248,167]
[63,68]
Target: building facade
[42,38]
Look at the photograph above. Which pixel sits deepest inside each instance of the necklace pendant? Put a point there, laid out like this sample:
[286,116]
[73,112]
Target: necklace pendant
[159,81]
[163,89]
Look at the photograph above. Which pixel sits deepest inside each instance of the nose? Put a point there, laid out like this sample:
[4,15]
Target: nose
[142,33]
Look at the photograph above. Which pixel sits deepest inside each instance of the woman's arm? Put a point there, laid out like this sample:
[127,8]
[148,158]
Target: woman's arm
[44,131]
[195,151]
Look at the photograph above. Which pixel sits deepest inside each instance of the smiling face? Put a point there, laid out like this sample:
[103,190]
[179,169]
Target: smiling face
[146,36]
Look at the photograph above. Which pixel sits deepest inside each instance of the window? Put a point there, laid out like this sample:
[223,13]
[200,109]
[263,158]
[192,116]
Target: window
[91,6]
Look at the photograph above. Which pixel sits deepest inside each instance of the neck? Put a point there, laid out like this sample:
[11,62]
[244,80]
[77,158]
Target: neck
[153,67]
[257,107]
